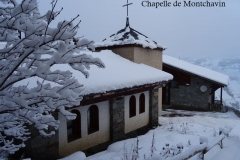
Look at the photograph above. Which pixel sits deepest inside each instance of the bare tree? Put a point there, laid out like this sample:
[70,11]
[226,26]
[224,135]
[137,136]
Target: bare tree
[32,49]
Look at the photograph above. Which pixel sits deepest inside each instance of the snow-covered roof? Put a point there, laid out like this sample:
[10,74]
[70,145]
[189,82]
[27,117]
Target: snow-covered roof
[129,36]
[196,70]
[119,73]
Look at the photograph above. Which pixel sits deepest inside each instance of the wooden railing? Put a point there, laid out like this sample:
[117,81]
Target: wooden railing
[217,106]
[202,148]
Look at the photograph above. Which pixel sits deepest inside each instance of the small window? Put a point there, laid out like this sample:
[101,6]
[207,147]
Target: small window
[132,106]
[74,127]
[142,103]
[93,119]
[184,79]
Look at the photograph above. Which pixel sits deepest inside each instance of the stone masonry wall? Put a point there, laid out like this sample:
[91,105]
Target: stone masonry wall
[190,97]
[153,108]
[41,148]
[116,118]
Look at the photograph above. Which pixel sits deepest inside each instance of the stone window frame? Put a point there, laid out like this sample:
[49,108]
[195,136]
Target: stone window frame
[74,127]
[132,106]
[93,119]
[142,105]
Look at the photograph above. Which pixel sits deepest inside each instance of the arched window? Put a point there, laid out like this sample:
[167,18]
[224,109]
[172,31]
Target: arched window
[93,119]
[142,103]
[132,106]
[74,127]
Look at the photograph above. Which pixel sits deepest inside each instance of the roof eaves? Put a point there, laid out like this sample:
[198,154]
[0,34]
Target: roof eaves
[219,83]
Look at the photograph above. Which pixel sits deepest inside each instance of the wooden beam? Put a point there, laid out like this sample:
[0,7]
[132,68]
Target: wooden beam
[96,98]
[221,96]
[98,49]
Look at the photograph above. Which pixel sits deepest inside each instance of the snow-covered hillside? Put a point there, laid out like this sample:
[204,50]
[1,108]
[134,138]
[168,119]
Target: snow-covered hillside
[229,66]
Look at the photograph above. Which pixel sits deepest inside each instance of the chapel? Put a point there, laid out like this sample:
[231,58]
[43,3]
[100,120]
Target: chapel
[119,102]
[126,98]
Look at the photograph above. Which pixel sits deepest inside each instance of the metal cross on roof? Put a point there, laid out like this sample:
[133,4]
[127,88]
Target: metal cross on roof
[127,6]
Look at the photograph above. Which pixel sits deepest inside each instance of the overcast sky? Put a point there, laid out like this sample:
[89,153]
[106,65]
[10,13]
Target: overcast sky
[195,32]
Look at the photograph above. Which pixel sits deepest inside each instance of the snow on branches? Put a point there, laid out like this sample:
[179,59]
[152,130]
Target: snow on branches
[32,48]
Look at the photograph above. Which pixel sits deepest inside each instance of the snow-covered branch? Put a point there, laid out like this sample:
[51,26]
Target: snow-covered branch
[32,49]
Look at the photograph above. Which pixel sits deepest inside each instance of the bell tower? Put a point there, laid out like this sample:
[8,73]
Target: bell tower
[136,47]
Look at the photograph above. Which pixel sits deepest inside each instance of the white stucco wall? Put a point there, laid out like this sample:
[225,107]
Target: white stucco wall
[139,120]
[148,56]
[86,141]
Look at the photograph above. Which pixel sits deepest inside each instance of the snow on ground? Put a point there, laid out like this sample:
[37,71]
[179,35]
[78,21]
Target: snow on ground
[185,129]
[75,156]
